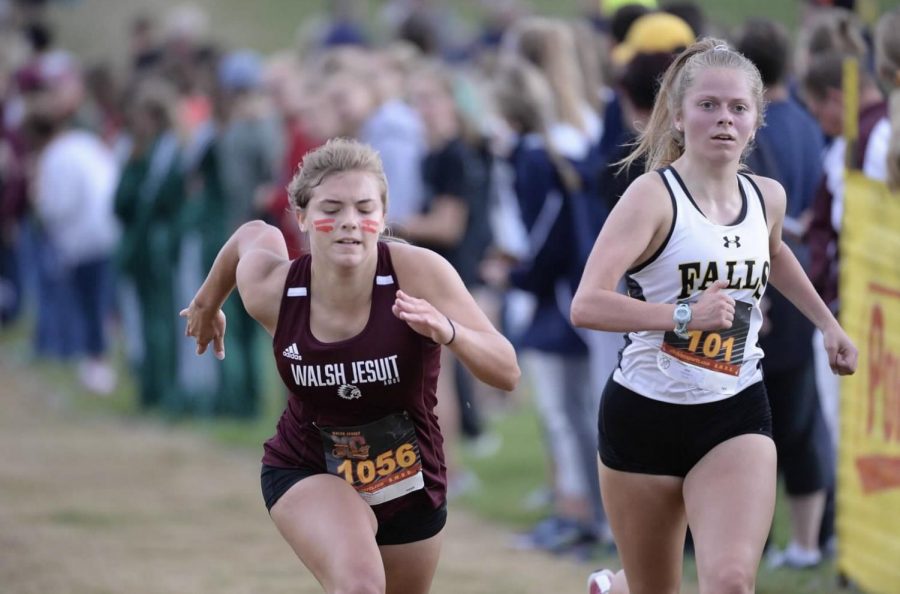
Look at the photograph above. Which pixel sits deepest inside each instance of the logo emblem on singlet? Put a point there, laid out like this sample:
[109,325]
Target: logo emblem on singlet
[292,352]
[732,242]
[349,392]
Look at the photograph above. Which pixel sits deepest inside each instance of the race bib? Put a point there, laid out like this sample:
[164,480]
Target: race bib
[710,360]
[380,460]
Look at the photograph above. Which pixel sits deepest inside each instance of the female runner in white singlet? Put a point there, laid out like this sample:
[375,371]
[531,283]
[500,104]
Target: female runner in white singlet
[685,426]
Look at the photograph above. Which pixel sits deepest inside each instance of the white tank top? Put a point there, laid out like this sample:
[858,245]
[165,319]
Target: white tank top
[707,366]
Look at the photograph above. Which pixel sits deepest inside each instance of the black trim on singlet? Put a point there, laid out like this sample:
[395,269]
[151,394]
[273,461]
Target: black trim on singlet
[741,215]
[665,242]
[635,290]
[621,352]
[759,195]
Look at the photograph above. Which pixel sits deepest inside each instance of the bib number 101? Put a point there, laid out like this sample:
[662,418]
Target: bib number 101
[366,471]
[711,344]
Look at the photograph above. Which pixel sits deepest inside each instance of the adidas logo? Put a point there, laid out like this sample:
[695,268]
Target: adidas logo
[292,353]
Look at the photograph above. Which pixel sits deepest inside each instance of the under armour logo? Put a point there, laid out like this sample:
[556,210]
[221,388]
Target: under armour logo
[736,241]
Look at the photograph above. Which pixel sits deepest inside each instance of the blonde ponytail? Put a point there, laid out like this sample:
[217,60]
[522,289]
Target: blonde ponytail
[549,45]
[525,99]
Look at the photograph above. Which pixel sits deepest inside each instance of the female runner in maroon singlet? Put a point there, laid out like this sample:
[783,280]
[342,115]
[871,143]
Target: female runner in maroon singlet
[354,477]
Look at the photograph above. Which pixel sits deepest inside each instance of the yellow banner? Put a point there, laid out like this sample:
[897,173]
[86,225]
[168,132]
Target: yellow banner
[850,82]
[868,519]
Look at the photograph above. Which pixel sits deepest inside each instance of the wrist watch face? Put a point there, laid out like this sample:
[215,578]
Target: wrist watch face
[683,313]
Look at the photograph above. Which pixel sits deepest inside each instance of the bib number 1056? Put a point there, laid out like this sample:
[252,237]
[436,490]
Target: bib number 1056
[381,460]
[385,464]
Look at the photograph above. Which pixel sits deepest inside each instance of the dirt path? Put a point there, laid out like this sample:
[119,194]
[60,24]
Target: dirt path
[104,505]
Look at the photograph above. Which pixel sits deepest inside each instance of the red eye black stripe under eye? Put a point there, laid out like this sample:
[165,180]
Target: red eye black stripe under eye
[325,225]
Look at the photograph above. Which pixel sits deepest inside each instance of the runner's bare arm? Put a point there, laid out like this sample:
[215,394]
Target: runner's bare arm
[635,228]
[435,303]
[787,275]
[255,260]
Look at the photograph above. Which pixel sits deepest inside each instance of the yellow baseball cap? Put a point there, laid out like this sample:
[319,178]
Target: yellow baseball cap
[653,33]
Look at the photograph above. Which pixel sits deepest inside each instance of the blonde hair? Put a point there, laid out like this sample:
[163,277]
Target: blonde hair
[590,53]
[660,142]
[338,155]
[887,65]
[525,100]
[523,96]
[549,45]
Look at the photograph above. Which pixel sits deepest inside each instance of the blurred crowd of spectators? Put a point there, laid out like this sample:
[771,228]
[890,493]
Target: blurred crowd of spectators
[118,186]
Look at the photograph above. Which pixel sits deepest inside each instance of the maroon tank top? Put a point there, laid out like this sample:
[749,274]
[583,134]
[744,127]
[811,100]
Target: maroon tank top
[386,371]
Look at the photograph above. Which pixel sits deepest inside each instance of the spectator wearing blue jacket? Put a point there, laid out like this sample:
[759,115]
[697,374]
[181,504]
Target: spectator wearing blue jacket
[555,356]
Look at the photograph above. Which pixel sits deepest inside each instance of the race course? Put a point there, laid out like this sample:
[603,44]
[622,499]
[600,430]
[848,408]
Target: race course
[97,503]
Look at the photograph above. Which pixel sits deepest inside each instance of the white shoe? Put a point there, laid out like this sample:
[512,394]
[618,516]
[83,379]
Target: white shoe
[97,376]
[600,582]
[463,482]
[795,557]
[485,445]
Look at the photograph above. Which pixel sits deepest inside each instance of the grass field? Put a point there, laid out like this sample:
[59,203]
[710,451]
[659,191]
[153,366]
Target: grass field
[271,25]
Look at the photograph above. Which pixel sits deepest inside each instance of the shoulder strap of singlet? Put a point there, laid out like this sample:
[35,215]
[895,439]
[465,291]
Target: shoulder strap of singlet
[384,271]
[677,188]
[294,295]
[297,282]
[659,250]
[759,196]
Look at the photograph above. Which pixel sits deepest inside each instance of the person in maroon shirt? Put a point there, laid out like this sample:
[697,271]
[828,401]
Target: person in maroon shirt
[823,89]
[354,477]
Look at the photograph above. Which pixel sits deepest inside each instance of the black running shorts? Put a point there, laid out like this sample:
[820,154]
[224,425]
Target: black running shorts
[639,434]
[409,525]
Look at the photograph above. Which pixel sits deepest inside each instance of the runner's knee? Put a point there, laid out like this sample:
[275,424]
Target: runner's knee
[728,577]
[359,579]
